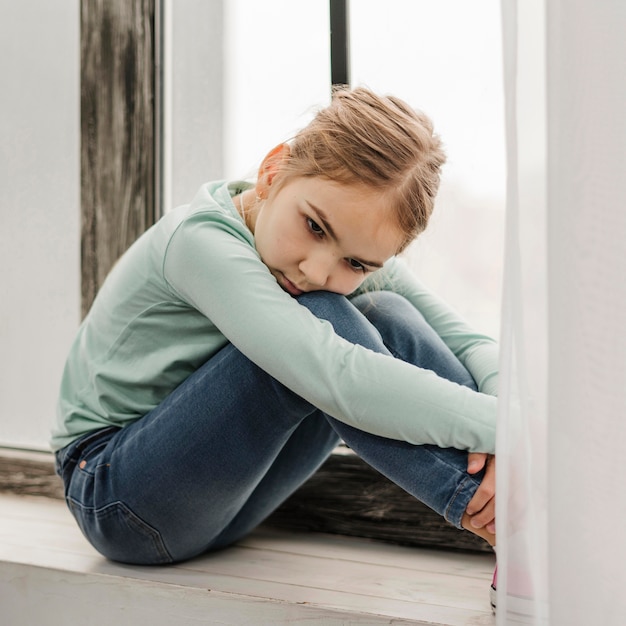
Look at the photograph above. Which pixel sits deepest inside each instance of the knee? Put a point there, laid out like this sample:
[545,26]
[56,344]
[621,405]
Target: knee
[347,321]
[383,301]
[322,304]
[409,337]
[392,313]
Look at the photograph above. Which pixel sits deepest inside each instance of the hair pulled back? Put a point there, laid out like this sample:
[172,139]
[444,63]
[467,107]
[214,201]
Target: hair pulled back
[377,141]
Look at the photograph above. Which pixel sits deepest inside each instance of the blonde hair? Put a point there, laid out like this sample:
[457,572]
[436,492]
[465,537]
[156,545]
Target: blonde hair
[376,141]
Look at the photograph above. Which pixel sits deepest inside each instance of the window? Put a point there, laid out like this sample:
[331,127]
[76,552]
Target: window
[229,97]
[442,57]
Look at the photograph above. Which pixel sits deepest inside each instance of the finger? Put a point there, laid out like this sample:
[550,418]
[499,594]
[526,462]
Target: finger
[478,502]
[485,492]
[486,516]
[478,521]
[475,462]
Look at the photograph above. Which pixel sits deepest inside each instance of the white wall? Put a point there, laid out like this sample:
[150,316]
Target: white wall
[560,447]
[586,429]
[39,210]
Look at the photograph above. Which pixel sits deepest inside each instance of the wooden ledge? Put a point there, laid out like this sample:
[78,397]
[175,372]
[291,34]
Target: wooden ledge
[273,577]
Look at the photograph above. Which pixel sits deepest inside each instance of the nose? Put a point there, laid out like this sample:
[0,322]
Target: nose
[317,269]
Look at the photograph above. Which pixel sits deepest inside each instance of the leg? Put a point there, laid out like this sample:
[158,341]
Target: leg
[222,451]
[166,487]
[436,476]
[408,336]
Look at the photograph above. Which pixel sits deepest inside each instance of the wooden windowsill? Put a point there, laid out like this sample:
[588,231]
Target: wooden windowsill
[273,577]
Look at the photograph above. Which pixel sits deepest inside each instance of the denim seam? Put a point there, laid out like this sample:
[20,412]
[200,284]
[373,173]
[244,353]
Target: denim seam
[458,492]
[132,519]
[460,489]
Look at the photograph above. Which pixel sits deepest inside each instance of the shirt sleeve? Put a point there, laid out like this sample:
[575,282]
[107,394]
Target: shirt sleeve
[210,265]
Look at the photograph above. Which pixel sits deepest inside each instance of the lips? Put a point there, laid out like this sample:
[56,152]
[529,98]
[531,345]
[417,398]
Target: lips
[289,287]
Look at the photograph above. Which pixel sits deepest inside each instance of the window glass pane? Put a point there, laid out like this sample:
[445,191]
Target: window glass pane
[444,57]
[277,68]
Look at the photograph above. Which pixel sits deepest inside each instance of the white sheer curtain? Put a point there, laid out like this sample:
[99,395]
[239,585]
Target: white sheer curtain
[562,430]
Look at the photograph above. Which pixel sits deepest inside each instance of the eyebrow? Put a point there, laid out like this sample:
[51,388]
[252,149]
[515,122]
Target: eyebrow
[322,218]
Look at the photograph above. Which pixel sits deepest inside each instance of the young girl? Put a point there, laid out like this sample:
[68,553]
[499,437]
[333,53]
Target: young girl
[245,334]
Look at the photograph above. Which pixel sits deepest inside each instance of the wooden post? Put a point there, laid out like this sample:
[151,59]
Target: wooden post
[118,124]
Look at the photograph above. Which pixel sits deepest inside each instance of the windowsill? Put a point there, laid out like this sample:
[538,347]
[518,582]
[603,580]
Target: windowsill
[273,577]
[26,472]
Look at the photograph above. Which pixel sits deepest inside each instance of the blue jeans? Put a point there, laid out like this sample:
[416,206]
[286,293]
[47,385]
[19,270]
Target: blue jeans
[230,444]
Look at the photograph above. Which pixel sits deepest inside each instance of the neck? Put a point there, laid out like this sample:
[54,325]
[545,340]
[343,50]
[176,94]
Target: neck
[246,206]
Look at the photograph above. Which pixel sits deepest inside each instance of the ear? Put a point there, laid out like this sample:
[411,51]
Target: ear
[270,167]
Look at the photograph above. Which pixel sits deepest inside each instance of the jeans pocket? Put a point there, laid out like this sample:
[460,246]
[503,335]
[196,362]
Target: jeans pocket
[119,534]
[88,445]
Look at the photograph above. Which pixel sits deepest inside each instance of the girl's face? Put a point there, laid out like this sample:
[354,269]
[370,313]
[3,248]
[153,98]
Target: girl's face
[315,234]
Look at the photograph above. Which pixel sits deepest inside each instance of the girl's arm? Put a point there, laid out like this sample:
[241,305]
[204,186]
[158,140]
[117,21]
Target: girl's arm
[211,265]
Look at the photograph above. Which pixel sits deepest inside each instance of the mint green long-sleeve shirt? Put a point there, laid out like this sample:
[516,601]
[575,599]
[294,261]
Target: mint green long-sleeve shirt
[194,282]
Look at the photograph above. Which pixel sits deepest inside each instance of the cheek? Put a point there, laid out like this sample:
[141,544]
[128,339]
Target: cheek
[286,239]
[275,245]
[263,244]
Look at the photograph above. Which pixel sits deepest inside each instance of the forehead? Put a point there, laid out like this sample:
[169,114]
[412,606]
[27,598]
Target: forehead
[364,223]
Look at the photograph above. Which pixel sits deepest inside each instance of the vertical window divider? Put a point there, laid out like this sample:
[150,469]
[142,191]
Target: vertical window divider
[339,43]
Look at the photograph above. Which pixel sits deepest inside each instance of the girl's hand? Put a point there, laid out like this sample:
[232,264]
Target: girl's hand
[482,507]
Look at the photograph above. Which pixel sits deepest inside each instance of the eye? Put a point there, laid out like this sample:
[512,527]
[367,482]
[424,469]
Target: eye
[356,266]
[314,227]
